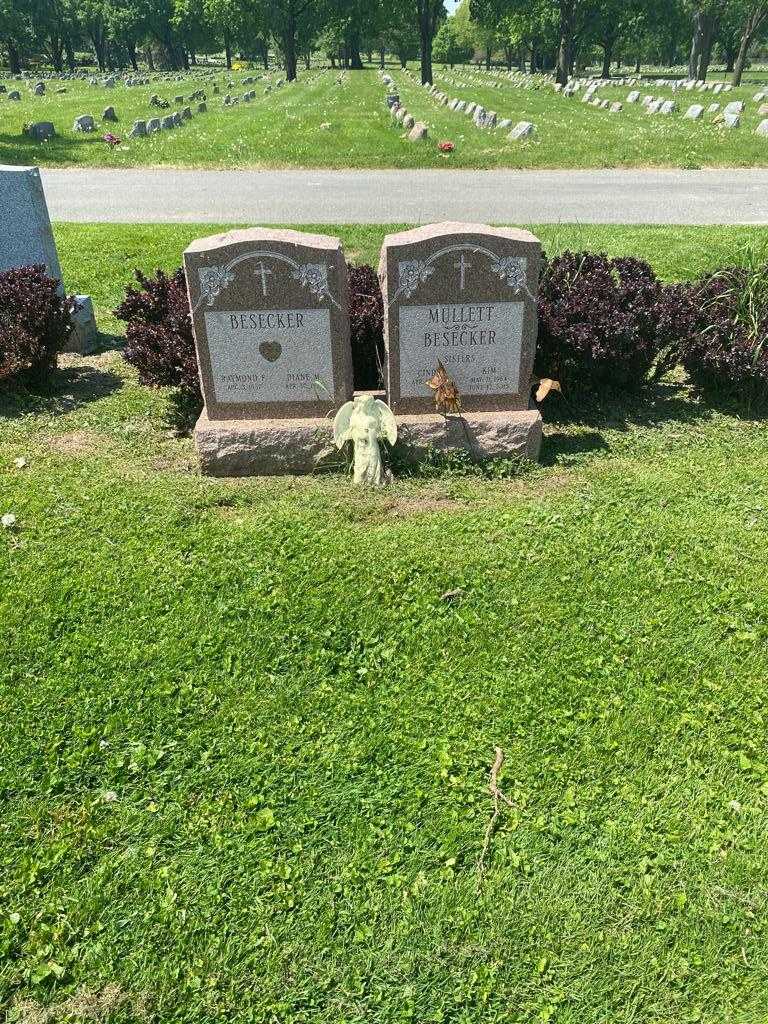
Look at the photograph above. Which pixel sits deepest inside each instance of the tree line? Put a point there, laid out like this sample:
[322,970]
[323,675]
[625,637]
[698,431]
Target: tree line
[536,35]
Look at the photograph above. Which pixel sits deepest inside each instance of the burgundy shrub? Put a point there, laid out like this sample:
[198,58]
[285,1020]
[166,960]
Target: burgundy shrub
[726,346]
[366,323]
[160,343]
[35,322]
[602,322]
[159,339]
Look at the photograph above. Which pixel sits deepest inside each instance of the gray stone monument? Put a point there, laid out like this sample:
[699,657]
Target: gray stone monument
[27,237]
[271,323]
[460,299]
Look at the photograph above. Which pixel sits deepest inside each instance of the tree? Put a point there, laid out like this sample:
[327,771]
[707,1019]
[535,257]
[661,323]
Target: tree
[293,24]
[704,16]
[429,14]
[755,19]
[450,45]
[14,32]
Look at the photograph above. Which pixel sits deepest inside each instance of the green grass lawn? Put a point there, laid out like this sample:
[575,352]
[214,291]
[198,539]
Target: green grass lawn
[99,259]
[247,741]
[283,128]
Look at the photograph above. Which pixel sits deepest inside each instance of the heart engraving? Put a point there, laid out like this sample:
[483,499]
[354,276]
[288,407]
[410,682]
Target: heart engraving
[271,350]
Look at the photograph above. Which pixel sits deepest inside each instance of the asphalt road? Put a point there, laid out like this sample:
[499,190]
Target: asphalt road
[727,196]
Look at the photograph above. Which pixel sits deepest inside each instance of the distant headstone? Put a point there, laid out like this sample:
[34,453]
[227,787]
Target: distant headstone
[40,131]
[39,89]
[762,129]
[762,110]
[713,108]
[84,123]
[735,107]
[139,130]
[694,113]
[633,97]
[186,114]
[522,130]
[168,122]
[153,125]
[14,95]
[462,297]
[731,120]
[418,133]
[271,324]
[668,107]
[202,108]
[109,114]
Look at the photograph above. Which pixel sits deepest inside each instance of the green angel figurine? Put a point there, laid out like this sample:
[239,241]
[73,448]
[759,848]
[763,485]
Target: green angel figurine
[365,421]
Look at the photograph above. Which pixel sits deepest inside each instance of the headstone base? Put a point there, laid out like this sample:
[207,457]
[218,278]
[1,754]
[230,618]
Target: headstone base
[232,448]
[261,447]
[484,435]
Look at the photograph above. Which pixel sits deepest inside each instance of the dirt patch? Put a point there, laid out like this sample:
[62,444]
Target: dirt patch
[173,464]
[545,483]
[405,506]
[76,442]
[84,1005]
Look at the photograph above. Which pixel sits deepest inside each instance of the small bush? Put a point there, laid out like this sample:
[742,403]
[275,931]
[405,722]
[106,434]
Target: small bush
[160,342]
[35,322]
[366,324]
[726,345]
[159,339]
[602,322]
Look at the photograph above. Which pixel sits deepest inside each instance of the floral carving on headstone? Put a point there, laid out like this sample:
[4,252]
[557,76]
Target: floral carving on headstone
[313,276]
[412,274]
[511,270]
[213,281]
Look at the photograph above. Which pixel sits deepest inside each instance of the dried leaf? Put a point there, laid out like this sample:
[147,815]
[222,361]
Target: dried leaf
[546,384]
[447,398]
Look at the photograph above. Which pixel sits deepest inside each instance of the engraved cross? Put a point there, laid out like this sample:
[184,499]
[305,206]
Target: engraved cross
[462,266]
[263,273]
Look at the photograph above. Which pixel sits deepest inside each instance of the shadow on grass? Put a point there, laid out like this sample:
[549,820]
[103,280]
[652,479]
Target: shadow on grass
[582,418]
[182,412]
[18,150]
[661,402]
[69,388]
[563,448]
